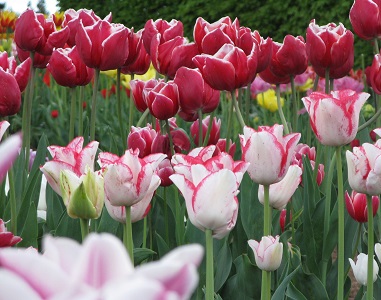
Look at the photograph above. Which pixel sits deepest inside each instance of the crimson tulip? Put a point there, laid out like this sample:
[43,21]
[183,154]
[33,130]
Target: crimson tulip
[373,74]
[221,147]
[194,94]
[103,45]
[229,68]
[39,61]
[141,138]
[137,88]
[10,97]
[365,17]
[7,239]
[330,47]
[68,69]
[334,118]
[20,72]
[36,34]
[162,100]
[264,50]
[214,132]
[357,206]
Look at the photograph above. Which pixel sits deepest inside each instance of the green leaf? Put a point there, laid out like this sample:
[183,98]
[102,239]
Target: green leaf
[141,254]
[280,291]
[29,233]
[223,263]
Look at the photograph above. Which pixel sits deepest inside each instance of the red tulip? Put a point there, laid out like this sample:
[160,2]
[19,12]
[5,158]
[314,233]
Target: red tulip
[365,17]
[214,133]
[10,95]
[221,147]
[264,47]
[141,138]
[68,69]
[104,45]
[194,94]
[357,206]
[162,100]
[7,239]
[282,219]
[39,61]
[20,72]
[330,47]
[137,88]
[229,68]
[36,34]
[373,74]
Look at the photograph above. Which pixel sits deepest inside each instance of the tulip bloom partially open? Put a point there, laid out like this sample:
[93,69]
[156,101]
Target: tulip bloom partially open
[334,118]
[210,187]
[357,206]
[7,239]
[268,252]
[360,268]
[268,152]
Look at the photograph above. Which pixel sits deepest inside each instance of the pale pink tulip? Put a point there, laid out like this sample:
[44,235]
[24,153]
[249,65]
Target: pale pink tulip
[9,151]
[268,152]
[334,118]
[268,252]
[128,179]
[72,157]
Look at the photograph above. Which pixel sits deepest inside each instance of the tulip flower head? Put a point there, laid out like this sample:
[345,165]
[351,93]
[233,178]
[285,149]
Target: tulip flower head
[268,252]
[365,17]
[268,152]
[7,239]
[334,118]
[360,268]
[357,206]
[373,74]
[214,135]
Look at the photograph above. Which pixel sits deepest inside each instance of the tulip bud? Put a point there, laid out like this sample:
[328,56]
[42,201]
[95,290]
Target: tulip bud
[83,196]
[360,268]
[268,252]
[357,206]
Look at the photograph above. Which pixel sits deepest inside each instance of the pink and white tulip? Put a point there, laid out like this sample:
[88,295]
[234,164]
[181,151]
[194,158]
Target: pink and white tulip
[72,157]
[98,269]
[282,191]
[364,168]
[334,118]
[210,188]
[268,252]
[9,151]
[129,179]
[268,152]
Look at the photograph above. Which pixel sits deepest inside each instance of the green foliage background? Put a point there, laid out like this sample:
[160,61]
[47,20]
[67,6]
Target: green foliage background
[274,18]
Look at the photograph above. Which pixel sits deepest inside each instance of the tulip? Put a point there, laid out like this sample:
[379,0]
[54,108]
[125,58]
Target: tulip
[360,268]
[100,266]
[10,98]
[20,72]
[137,88]
[194,94]
[103,45]
[39,61]
[128,179]
[357,206]
[364,175]
[373,74]
[7,239]
[282,191]
[164,171]
[141,138]
[210,189]
[377,250]
[229,68]
[83,196]
[162,100]
[282,219]
[268,99]
[68,69]
[330,47]
[264,50]
[365,17]
[334,118]
[36,34]
[268,252]
[9,151]
[214,132]
[72,157]
[268,152]
[221,147]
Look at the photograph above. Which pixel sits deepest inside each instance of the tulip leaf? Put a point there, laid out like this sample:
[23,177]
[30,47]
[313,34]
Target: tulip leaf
[162,246]
[141,254]
[293,293]
[29,232]
[280,291]
[223,263]
[69,227]
[106,223]
[54,209]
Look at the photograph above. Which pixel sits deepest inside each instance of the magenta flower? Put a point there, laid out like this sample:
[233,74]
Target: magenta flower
[357,206]
[7,239]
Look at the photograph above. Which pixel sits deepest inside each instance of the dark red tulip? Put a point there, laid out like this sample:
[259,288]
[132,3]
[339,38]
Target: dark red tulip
[357,206]
[373,74]
[214,133]
[137,87]
[20,72]
[10,95]
[365,17]
[39,61]
[264,48]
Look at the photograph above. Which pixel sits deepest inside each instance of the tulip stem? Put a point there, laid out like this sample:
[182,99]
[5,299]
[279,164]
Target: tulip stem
[294,106]
[280,110]
[179,220]
[210,125]
[27,114]
[72,113]
[127,234]
[327,215]
[200,129]
[145,232]
[168,130]
[120,109]
[369,287]
[209,265]
[166,216]
[94,106]
[228,135]
[143,117]
[372,119]
[267,216]
[80,110]
[340,204]
[327,87]
[375,46]
[247,103]
[130,109]
[237,110]
[12,200]
[84,228]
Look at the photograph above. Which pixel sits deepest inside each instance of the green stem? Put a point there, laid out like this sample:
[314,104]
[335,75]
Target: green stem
[209,265]
[94,105]
[180,227]
[72,113]
[295,106]
[80,110]
[372,119]
[375,46]
[341,245]
[237,110]
[131,108]
[228,130]
[369,286]
[143,117]
[127,234]
[316,83]
[280,110]
[145,232]
[327,88]
[266,276]
[200,131]
[168,130]
[166,217]
[12,200]
[84,228]
[247,104]
[327,215]
[210,125]
[120,109]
